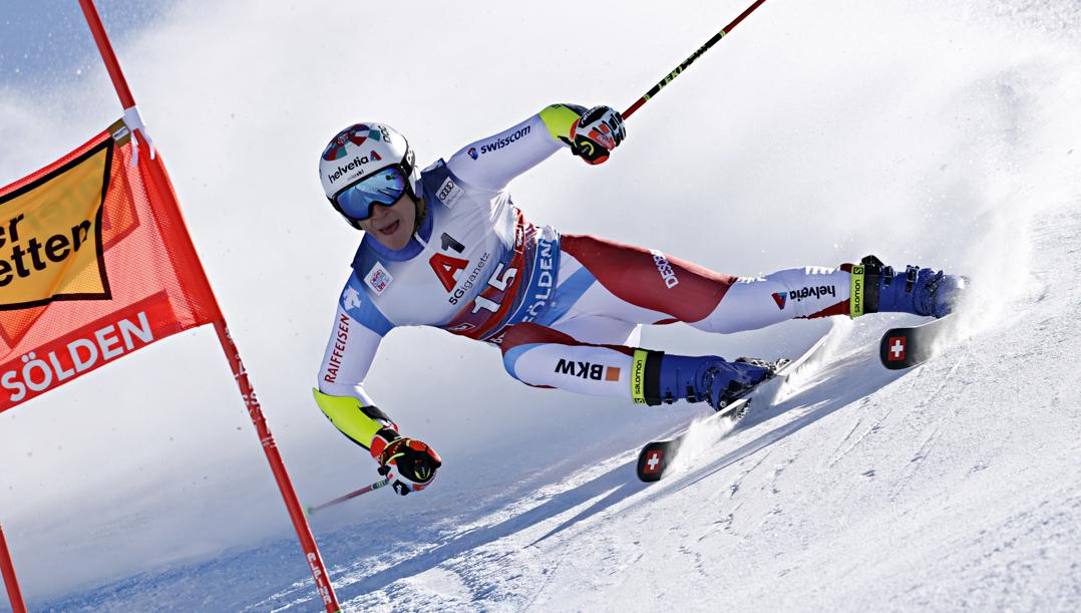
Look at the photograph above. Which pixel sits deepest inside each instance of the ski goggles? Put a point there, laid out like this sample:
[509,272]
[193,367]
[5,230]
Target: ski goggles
[385,187]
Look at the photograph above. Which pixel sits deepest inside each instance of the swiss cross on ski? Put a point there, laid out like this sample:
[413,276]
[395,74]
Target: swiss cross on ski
[653,461]
[907,347]
[897,348]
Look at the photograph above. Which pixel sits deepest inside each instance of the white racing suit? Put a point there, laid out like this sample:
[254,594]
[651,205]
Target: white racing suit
[564,310]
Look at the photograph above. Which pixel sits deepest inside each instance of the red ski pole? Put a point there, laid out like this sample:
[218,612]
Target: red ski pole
[687,62]
[364,490]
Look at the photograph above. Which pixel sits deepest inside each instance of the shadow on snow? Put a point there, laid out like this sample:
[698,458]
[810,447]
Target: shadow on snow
[845,381]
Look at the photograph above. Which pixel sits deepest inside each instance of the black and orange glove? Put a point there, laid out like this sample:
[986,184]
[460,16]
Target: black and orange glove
[414,462]
[596,133]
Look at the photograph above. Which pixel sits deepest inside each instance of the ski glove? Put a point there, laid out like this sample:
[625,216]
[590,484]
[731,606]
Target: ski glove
[415,462]
[596,133]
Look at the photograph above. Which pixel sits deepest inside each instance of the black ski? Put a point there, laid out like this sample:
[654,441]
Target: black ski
[906,347]
[656,456]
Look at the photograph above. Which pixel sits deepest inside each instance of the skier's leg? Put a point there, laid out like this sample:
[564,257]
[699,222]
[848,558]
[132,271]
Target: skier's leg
[546,357]
[589,329]
[757,302]
[646,286]
[635,284]
[583,341]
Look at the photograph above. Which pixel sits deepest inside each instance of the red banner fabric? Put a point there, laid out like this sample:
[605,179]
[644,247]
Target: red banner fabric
[95,262]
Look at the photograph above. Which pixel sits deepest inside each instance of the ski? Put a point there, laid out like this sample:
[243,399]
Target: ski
[656,456]
[906,347]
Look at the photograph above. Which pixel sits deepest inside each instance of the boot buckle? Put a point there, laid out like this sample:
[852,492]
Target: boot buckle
[911,273]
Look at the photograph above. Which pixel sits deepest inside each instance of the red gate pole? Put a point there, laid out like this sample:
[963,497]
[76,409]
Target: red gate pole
[11,582]
[277,466]
[106,49]
[156,173]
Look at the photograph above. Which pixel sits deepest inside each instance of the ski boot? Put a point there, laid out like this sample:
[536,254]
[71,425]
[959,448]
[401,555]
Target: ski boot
[704,378]
[737,388]
[919,291]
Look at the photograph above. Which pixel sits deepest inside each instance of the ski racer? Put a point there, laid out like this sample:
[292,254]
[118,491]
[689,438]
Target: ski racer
[447,247]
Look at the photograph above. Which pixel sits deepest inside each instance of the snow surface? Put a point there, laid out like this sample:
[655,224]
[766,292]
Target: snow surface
[944,133]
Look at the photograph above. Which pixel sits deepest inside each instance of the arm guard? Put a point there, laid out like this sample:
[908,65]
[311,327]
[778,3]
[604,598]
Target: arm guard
[361,424]
[559,118]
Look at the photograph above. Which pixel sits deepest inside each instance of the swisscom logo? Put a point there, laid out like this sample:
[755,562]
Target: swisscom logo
[499,143]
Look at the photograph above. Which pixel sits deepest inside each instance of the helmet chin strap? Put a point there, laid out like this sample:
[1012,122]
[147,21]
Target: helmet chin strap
[421,208]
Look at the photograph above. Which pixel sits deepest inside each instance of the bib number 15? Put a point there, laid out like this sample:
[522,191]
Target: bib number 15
[501,279]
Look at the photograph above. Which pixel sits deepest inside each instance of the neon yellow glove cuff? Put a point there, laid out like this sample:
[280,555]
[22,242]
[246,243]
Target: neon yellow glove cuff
[351,417]
[559,118]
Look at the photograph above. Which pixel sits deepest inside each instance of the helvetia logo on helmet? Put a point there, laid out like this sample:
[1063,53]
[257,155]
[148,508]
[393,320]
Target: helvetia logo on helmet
[780,298]
[355,164]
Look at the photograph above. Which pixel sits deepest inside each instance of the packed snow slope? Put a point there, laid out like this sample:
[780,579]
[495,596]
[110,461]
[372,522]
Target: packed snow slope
[932,132]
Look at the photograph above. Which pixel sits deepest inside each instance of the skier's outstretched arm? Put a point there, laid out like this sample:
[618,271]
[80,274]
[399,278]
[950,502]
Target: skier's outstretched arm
[340,393]
[492,162]
[354,340]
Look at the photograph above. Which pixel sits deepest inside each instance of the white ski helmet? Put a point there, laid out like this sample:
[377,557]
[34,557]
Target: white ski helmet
[360,151]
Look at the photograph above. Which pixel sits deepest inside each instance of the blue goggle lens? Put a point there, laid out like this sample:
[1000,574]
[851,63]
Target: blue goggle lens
[384,187]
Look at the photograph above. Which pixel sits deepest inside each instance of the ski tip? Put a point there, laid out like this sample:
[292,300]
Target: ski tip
[652,461]
[905,347]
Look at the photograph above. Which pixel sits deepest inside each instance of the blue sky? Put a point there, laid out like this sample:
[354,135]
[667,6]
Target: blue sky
[46,40]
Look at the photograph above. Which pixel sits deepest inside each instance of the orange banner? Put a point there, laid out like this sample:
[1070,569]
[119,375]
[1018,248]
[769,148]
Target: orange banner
[95,262]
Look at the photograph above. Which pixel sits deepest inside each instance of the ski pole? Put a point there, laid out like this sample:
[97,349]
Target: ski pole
[364,490]
[687,62]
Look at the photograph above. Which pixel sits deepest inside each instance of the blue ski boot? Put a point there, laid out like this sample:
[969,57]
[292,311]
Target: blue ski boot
[709,378]
[876,288]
